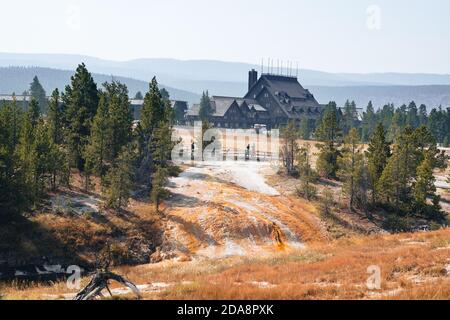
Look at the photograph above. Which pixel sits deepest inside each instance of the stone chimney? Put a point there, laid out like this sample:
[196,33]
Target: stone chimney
[252,78]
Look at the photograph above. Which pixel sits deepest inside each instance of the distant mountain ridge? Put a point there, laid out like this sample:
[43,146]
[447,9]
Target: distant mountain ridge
[187,79]
[18,79]
[432,96]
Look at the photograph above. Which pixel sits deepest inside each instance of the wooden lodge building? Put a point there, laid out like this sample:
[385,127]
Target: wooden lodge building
[271,101]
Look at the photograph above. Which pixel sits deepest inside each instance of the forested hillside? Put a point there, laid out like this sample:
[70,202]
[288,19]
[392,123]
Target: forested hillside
[18,79]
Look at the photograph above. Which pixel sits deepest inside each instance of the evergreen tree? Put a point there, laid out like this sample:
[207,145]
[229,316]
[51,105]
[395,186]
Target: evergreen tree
[33,113]
[81,101]
[329,129]
[306,173]
[385,116]
[165,94]
[305,129]
[163,145]
[154,114]
[350,117]
[41,161]
[153,109]
[97,152]
[368,122]
[378,155]
[289,134]
[55,118]
[329,132]
[424,186]
[412,118]
[206,109]
[388,186]
[37,92]
[158,182]
[26,150]
[11,117]
[351,169]
[138,96]
[327,161]
[57,159]
[423,115]
[12,189]
[120,179]
[120,116]
[410,150]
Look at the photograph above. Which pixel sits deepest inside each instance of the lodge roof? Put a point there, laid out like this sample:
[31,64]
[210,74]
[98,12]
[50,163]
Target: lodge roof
[221,105]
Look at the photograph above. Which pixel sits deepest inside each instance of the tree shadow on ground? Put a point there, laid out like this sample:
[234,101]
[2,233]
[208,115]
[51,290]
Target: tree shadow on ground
[25,242]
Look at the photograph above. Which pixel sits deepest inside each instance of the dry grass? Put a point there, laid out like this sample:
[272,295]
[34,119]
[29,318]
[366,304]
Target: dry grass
[70,238]
[413,266]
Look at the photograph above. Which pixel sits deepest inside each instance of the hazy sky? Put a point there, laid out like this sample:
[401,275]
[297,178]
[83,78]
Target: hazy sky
[329,35]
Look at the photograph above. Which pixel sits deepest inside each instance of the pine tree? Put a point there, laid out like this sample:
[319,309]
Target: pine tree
[55,118]
[306,173]
[81,101]
[12,189]
[37,92]
[33,113]
[351,169]
[289,134]
[350,116]
[378,154]
[368,122]
[139,96]
[153,109]
[58,153]
[26,151]
[412,118]
[154,115]
[327,161]
[163,145]
[120,116]
[410,149]
[423,115]
[388,186]
[120,179]
[41,162]
[305,129]
[97,152]
[11,118]
[206,109]
[424,186]
[328,131]
[160,179]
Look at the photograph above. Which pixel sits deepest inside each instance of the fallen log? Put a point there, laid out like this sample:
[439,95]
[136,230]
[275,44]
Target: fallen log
[100,281]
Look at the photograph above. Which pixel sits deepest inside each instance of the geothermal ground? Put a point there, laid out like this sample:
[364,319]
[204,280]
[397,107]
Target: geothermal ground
[226,208]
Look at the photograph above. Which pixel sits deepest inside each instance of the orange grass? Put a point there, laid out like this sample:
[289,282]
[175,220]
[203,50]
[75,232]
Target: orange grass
[413,266]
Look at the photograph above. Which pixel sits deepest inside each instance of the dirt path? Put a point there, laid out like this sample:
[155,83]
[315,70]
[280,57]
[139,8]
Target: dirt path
[225,209]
